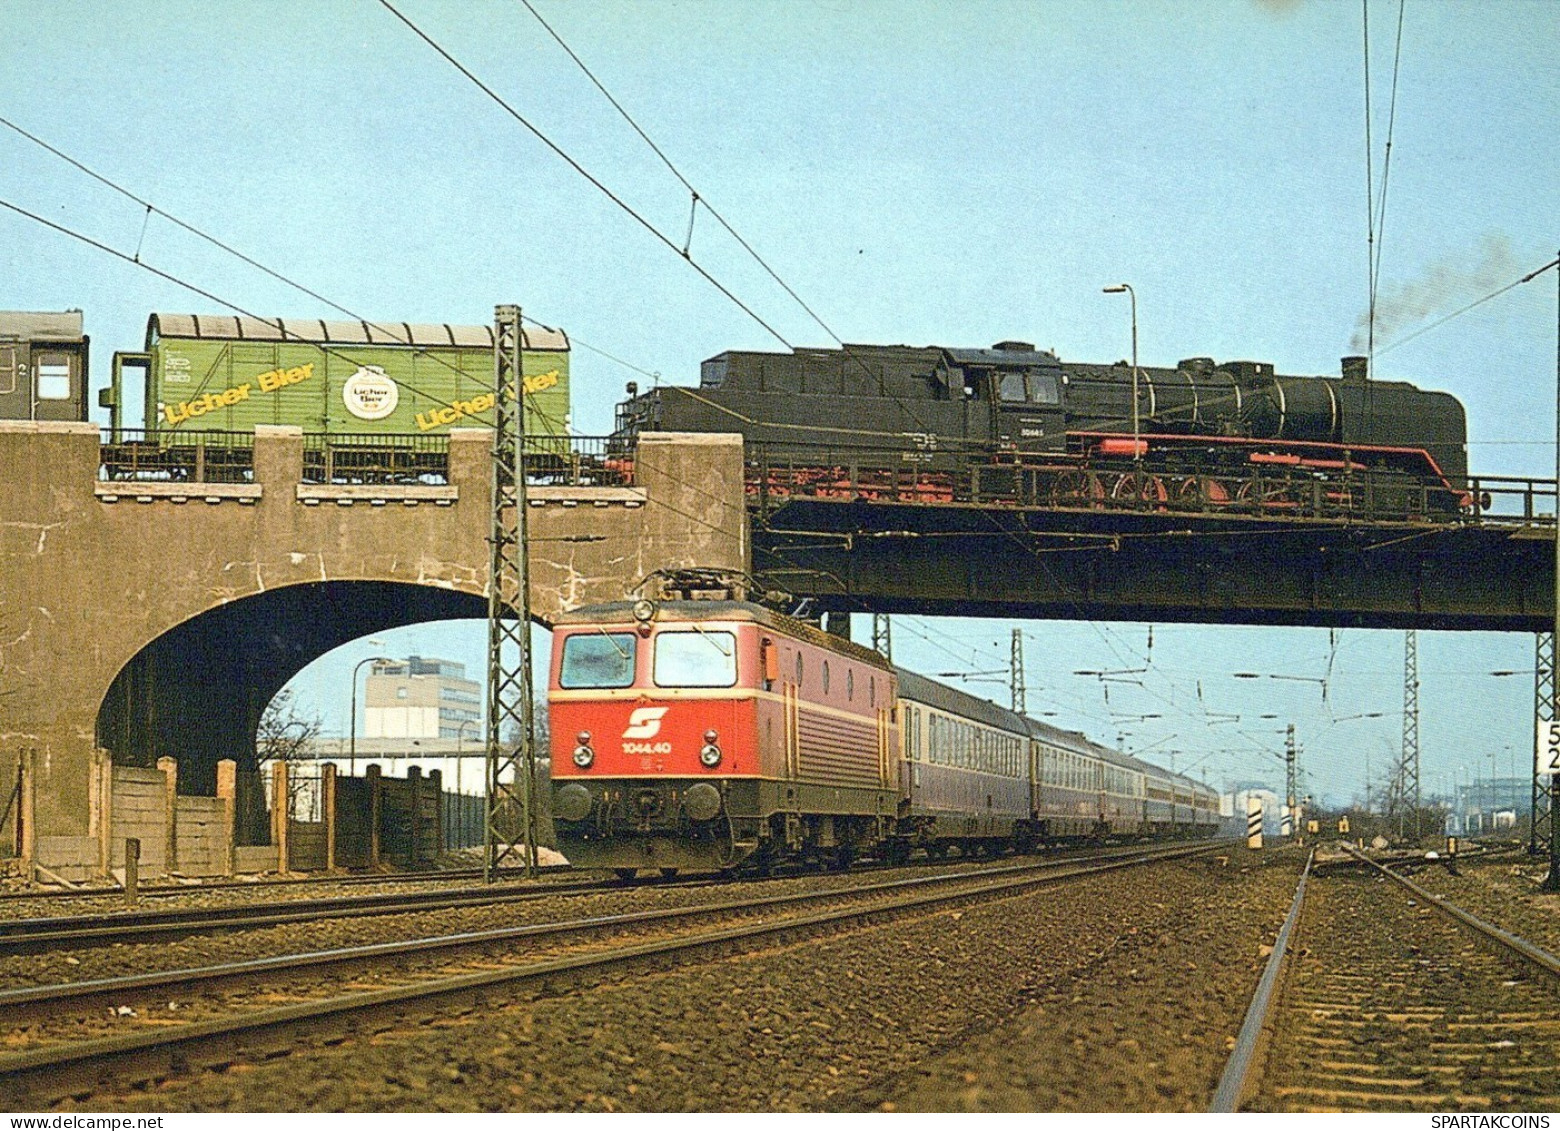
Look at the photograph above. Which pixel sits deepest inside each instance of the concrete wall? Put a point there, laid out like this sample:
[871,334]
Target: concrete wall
[202,833]
[306,847]
[95,572]
[139,810]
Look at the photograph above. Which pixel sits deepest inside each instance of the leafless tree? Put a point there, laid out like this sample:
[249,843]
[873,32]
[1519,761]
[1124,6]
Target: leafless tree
[285,733]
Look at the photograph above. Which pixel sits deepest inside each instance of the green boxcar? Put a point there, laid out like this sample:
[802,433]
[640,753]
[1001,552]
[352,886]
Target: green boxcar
[205,372]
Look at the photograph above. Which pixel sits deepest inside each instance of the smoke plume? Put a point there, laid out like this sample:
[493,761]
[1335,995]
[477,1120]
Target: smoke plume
[1443,286]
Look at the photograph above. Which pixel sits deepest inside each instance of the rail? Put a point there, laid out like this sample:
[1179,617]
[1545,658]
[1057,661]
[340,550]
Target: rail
[777,475]
[1539,957]
[45,1071]
[1237,1072]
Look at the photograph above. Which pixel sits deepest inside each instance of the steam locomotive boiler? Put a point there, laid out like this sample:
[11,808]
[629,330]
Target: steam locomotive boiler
[1214,434]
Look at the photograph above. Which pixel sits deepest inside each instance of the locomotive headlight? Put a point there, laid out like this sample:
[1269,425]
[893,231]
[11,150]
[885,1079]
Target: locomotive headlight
[584,756]
[710,755]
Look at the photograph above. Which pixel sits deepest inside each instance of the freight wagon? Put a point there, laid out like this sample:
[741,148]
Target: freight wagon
[224,373]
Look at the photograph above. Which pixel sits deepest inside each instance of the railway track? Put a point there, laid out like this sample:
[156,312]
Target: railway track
[28,935]
[64,1048]
[43,933]
[1398,1000]
[172,890]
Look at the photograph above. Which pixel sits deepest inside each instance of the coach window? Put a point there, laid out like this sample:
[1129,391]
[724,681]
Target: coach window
[798,669]
[597,660]
[53,377]
[871,691]
[850,683]
[695,659]
[826,677]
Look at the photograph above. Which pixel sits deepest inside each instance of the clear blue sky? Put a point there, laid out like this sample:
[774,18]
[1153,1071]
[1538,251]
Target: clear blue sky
[932,172]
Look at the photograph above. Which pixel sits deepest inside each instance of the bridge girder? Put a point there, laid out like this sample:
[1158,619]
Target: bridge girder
[993,562]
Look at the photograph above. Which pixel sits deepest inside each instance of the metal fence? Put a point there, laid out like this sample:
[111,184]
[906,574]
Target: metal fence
[576,461]
[347,459]
[375,459]
[134,455]
[464,820]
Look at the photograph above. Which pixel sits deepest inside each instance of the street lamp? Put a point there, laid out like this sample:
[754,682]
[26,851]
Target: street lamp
[1137,449]
[460,752]
[352,755]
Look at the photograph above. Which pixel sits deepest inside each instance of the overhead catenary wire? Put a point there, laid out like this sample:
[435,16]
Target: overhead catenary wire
[662,237]
[193,288]
[136,257]
[667,241]
[599,185]
[1528,278]
[1386,161]
[390,330]
[696,199]
[1370,202]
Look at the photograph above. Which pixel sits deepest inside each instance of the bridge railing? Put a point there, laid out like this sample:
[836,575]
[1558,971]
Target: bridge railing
[576,461]
[182,457]
[1507,500]
[377,459]
[137,455]
[1282,491]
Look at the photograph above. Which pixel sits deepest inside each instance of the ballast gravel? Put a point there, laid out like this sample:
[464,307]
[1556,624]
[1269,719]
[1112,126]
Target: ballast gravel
[1114,992]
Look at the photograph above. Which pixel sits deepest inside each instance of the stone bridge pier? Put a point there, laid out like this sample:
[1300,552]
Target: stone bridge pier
[157,619]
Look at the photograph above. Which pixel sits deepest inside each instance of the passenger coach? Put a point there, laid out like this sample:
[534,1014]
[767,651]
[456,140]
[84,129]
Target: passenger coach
[707,734]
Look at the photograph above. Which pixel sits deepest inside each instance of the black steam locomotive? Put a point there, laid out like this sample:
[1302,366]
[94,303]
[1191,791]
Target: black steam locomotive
[1211,436]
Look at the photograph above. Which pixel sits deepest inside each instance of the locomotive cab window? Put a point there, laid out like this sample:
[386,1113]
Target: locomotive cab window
[1044,388]
[695,659]
[1011,388]
[597,660]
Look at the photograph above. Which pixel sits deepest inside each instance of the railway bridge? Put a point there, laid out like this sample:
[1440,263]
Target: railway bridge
[1266,548]
[154,600]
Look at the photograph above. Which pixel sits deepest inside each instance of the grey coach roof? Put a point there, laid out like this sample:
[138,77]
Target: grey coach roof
[64,326]
[421,334]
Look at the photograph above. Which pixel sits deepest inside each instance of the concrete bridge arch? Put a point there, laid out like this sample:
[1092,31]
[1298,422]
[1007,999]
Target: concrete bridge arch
[158,618]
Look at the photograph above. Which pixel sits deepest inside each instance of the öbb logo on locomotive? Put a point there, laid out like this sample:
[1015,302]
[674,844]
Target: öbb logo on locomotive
[646,723]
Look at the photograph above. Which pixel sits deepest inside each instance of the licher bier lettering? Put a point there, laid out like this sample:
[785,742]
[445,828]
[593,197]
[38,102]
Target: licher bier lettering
[456,410]
[227,398]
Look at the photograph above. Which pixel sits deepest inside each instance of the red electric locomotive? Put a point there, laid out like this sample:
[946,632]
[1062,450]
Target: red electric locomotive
[705,734]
